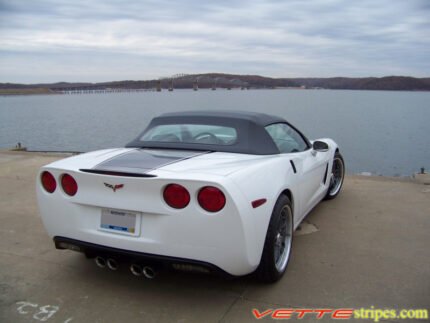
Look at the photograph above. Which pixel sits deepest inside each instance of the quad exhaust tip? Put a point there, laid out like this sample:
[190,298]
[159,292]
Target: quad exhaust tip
[100,261]
[147,271]
[112,264]
[136,269]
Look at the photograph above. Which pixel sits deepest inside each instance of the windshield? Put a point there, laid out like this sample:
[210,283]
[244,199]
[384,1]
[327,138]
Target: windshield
[191,134]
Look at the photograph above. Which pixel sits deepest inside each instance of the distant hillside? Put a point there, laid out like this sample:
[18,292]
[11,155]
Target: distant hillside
[229,81]
[392,83]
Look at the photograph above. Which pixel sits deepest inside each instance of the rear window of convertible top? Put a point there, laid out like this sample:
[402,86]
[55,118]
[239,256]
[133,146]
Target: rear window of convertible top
[191,134]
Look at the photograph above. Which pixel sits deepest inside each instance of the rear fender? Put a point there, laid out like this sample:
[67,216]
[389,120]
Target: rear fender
[268,181]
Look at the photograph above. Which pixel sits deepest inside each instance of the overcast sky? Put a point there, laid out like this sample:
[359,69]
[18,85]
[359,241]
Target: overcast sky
[84,40]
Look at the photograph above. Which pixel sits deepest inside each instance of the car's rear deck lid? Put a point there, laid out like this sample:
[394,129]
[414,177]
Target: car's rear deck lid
[139,162]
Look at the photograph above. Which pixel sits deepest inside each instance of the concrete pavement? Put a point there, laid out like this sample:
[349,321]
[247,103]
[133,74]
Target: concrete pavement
[368,247]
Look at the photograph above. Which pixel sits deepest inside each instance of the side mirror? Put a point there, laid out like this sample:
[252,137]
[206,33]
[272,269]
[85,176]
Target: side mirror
[320,146]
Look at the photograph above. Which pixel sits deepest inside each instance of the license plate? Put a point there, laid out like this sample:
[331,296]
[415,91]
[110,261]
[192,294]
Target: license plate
[120,221]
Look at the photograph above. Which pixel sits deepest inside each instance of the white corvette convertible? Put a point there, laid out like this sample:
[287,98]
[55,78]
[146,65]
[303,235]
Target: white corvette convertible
[196,191]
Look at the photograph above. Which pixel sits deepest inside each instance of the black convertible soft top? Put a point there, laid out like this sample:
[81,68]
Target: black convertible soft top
[252,137]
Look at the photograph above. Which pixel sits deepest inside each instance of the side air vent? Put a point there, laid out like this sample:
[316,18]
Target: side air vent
[325,174]
[112,173]
[294,166]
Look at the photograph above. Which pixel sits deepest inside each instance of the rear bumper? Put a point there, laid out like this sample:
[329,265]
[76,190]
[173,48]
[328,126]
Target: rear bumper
[132,257]
[219,242]
[226,239]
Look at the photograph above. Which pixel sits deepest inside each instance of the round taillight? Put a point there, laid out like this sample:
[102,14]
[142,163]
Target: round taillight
[70,187]
[48,182]
[176,196]
[211,199]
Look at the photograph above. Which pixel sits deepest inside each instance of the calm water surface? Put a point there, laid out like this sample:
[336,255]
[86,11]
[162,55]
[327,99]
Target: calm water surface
[385,133]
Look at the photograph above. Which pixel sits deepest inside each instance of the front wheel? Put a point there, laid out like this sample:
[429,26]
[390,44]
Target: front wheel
[336,176]
[277,246]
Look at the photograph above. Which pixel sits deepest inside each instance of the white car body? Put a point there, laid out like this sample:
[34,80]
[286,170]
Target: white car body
[231,239]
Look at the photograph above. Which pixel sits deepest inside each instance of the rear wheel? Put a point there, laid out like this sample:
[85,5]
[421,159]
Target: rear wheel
[277,246]
[336,176]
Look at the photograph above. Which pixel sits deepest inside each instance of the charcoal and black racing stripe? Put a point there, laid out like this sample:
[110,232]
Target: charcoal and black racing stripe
[139,162]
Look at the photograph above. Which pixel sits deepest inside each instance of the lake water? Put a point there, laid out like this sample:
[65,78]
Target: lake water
[384,133]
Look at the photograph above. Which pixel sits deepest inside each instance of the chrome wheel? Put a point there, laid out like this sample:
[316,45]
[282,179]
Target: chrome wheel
[283,239]
[278,243]
[336,177]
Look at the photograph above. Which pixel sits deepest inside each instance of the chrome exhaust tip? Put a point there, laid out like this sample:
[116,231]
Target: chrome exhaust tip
[149,272]
[100,262]
[136,269]
[112,264]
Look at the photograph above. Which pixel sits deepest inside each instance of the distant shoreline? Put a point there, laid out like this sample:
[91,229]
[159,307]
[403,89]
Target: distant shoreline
[46,91]
[216,81]
[31,91]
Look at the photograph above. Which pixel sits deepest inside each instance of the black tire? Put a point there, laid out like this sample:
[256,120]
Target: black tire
[270,270]
[336,177]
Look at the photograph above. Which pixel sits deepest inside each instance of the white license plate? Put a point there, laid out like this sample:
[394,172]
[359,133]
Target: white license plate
[120,221]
